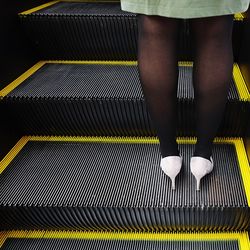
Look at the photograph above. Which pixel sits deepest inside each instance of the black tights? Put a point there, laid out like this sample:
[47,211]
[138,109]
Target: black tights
[158,68]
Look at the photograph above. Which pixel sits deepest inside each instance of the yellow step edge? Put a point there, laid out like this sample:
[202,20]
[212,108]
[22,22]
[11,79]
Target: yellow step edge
[40,7]
[13,153]
[237,76]
[241,237]
[11,234]
[3,237]
[130,63]
[5,91]
[237,142]
[237,16]
[240,83]
[244,166]
[43,6]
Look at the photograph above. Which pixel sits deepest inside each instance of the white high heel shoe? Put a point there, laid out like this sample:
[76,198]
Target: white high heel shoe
[200,167]
[171,166]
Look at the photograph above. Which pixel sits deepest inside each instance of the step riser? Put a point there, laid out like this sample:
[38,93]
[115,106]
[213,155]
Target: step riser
[136,219]
[103,117]
[93,37]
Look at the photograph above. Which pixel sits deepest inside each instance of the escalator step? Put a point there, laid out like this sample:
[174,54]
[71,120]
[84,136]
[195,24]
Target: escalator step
[96,31]
[97,240]
[106,99]
[116,183]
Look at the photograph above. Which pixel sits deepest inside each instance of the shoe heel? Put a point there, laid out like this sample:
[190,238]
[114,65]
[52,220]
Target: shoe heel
[198,181]
[171,166]
[173,183]
[200,167]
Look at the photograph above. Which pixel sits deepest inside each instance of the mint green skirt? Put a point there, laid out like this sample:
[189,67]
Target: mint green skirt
[185,8]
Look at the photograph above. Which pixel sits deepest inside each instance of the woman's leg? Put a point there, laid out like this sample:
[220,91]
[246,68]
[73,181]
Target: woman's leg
[158,68]
[213,62]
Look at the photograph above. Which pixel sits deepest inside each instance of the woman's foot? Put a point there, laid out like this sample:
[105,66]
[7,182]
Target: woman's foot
[171,166]
[200,167]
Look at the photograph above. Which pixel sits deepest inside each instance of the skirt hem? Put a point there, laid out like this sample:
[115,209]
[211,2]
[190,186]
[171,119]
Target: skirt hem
[179,13]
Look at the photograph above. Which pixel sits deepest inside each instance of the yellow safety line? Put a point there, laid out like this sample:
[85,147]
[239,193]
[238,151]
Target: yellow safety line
[20,79]
[141,140]
[27,12]
[241,237]
[244,166]
[35,234]
[3,237]
[240,83]
[244,241]
[152,140]
[185,63]
[239,17]
[132,63]
[146,236]
[237,142]
[11,234]
[96,139]
[247,146]
[13,153]
[40,7]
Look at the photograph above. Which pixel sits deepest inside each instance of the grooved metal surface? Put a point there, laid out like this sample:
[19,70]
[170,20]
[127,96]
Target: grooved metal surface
[30,244]
[97,81]
[116,174]
[118,186]
[84,8]
[82,81]
[105,100]
[96,31]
